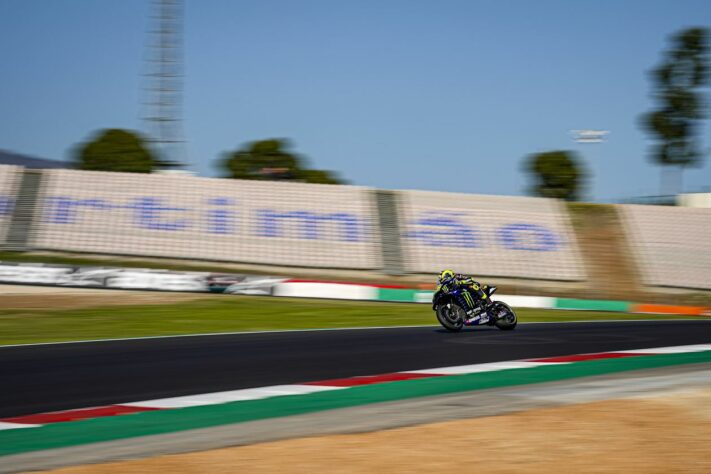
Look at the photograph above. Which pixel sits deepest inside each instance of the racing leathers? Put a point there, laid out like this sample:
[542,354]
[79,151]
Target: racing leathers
[473,299]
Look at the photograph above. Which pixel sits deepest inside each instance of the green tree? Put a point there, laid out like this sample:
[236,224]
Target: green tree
[116,150]
[556,174]
[271,160]
[675,121]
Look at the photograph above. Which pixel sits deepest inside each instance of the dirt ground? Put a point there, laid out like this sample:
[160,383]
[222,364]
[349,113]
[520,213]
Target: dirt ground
[36,297]
[663,434]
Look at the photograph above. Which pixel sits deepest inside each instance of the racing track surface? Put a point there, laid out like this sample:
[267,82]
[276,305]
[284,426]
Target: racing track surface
[64,376]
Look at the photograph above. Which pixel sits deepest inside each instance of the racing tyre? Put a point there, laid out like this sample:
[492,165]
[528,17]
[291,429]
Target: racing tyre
[450,316]
[506,319]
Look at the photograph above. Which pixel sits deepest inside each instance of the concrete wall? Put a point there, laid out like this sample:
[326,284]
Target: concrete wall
[212,219]
[694,200]
[9,184]
[488,235]
[672,244]
[338,227]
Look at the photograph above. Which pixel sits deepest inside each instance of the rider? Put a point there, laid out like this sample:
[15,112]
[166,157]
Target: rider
[448,279]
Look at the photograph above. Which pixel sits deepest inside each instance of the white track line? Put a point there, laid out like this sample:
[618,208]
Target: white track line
[476,368]
[670,350]
[230,396]
[365,328]
[523,364]
[12,426]
[257,393]
[206,334]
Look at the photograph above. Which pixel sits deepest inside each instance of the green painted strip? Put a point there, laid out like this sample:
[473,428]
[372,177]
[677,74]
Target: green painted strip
[593,305]
[396,294]
[150,423]
[423,296]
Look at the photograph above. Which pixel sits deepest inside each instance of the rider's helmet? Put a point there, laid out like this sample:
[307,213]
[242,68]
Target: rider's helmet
[446,276]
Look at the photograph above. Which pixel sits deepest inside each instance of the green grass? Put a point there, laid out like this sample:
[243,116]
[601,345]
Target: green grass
[235,313]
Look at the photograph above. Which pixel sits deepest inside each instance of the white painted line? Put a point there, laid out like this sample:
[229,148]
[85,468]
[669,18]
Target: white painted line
[11,426]
[341,291]
[535,302]
[297,389]
[629,320]
[235,333]
[476,368]
[669,350]
[365,328]
[230,396]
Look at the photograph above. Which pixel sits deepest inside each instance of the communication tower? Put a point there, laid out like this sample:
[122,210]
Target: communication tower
[162,117]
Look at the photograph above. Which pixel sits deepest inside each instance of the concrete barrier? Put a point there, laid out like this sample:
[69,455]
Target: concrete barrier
[275,223]
[488,235]
[9,184]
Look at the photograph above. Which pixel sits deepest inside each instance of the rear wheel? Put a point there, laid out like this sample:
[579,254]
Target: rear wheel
[506,319]
[450,316]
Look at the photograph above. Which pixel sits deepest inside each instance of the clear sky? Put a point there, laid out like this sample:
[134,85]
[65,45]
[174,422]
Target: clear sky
[400,94]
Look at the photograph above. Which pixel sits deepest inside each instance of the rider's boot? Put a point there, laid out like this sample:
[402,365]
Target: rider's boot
[482,313]
[486,310]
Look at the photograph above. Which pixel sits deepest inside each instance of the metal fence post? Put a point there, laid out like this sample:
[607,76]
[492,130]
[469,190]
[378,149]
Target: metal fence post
[391,246]
[23,213]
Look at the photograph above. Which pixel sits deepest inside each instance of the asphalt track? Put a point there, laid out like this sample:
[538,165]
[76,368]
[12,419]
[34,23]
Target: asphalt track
[44,378]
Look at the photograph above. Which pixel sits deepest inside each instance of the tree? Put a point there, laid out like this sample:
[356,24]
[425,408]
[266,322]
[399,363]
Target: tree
[679,103]
[116,150]
[557,174]
[271,160]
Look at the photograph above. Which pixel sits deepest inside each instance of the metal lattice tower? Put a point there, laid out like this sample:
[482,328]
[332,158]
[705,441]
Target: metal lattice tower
[164,83]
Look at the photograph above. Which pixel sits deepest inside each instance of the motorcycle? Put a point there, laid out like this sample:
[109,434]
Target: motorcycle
[453,317]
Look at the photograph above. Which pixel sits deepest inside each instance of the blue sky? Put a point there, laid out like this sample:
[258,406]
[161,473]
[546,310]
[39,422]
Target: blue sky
[440,95]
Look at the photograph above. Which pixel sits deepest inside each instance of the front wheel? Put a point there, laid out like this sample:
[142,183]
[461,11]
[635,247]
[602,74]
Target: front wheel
[450,316]
[506,319]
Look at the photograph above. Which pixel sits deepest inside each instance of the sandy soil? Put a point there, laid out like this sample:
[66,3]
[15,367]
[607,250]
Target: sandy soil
[661,434]
[37,297]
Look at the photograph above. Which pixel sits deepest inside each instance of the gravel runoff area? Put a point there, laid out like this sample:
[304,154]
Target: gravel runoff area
[48,297]
[656,434]
[651,421]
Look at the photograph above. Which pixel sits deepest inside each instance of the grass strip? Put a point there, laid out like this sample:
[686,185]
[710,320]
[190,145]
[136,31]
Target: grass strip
[594,305]
[152,423]
[226,313]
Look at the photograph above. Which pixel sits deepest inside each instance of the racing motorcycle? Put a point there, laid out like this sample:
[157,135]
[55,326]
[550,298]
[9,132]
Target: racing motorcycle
[453,317]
